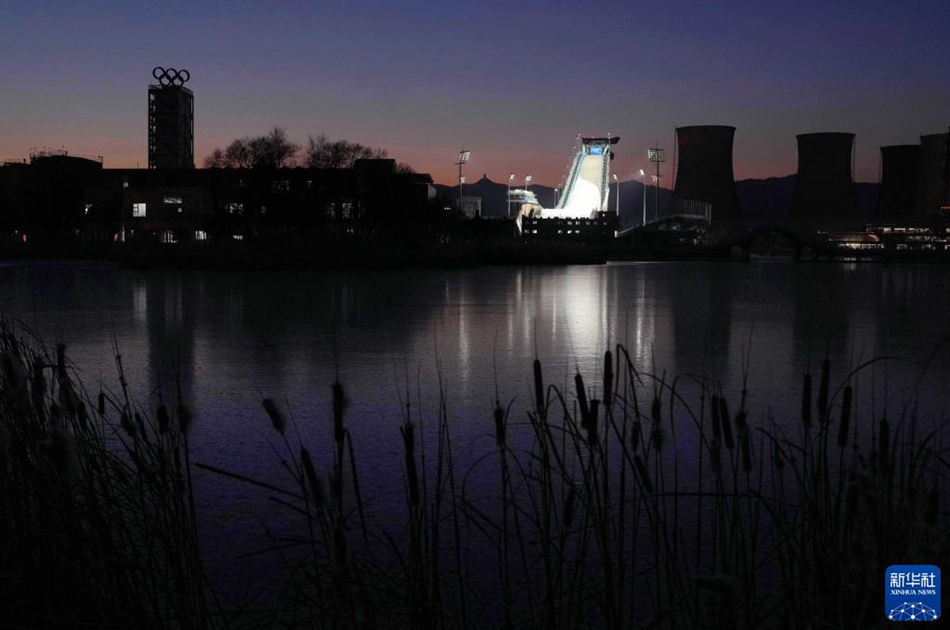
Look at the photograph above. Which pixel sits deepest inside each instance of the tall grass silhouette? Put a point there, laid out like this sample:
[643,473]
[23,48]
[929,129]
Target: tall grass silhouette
[617,501]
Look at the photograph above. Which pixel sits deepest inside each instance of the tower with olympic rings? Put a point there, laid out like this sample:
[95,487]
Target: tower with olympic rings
[171,120]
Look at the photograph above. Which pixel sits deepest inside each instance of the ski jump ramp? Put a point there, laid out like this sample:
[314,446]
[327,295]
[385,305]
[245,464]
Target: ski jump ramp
[588,184]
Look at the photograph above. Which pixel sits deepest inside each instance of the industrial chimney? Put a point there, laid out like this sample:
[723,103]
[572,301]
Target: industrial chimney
[899,166]
[824,188]
[932,176]
[705,185]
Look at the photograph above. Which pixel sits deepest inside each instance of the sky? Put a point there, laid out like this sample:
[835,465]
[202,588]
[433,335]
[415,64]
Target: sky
[514,82]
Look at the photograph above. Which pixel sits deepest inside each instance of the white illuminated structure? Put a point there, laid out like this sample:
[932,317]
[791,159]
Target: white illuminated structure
[586,193]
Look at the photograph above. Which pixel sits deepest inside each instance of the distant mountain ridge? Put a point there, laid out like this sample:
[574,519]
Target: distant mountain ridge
[761,200]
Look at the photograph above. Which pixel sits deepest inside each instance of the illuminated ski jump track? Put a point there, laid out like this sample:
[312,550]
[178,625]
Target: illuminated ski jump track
[587,189]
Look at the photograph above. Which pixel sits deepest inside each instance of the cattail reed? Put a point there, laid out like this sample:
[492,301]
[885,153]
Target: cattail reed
[127,425]
[643,474]
[538,387]
[276,416]
[582,399]
[339,403]
[608,378]
[317,493]
[68,399]
[806,401]
[656,410]
[567,517]
[717,429]
[101,407]
[725,424]
[184,416]
[593,439]
[412,476]
[499,425]
[777,459]
[845,416]
[163,421]
[823,392]
[746,447]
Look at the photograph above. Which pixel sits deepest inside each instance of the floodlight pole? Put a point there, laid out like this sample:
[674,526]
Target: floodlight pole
[656,155]
[617,181]
[463,158]
[644,194]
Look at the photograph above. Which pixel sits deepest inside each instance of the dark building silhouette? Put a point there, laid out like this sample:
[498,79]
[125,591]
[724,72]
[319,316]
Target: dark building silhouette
[705,185]
[899,166]
[43,200]
[824,188]
[932,176]
[171,120]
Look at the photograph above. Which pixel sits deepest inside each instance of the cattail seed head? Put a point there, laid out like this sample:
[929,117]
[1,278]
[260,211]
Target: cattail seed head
[582,399]
[277,418]
[570,504]
[656,410]
[642,474]
[339,404]
[657,436]
[127,425]
[499,424]
[635,436]
[412,474]
[593,438]
[101,407]
[725,424]
[608,378]
[538,387]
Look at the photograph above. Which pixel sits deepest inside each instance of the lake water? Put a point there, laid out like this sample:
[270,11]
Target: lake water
[231,339]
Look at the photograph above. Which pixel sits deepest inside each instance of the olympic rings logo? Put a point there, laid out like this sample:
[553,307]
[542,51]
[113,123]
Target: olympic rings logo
[171,76]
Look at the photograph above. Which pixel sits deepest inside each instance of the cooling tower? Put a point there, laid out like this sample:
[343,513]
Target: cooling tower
[932,175]
[704,179]
[824,189]
[899,166]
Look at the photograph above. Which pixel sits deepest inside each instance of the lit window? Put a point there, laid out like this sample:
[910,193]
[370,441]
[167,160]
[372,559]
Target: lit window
[138,209]
[172,200]
[201,235]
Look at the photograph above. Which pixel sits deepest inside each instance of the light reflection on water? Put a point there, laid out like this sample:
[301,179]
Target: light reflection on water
[232,338]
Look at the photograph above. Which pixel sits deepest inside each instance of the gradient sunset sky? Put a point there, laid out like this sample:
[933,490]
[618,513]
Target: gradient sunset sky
[513,81]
